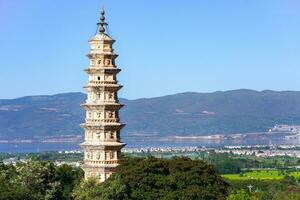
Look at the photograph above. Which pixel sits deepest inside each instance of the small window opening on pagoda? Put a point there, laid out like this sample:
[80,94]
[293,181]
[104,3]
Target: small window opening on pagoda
[111,154]
[107,61]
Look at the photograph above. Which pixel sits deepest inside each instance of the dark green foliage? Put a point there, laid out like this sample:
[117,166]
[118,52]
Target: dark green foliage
[292,193]
[149,178]
[68,177]
[239,195]
[154,179]
[229,167]
[55,156]
[227,163]
[36,180]
[114,189]
[224,163]
[267,189]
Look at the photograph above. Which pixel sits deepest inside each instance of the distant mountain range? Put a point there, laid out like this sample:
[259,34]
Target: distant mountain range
[236,111]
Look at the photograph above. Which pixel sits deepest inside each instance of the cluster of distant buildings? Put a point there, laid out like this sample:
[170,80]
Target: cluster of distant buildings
[263,153]
[70,152]
[256,150]
[283,128]
[164,149]
[292,131]
[13,161]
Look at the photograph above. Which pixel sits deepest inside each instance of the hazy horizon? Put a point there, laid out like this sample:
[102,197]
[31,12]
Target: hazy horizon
[183,92]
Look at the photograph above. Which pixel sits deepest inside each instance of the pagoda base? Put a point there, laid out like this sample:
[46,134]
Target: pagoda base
[101,173]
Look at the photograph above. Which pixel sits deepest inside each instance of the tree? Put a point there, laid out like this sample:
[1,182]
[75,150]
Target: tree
[289,194]
[91,189]
[154,178]
[54,192]
[36,180]
[68,177]
[36,176]
[239,195]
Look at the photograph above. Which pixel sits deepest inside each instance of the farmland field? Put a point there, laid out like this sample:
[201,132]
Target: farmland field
[262,175]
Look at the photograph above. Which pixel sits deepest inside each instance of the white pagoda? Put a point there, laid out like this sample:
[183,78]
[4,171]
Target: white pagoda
[102,145]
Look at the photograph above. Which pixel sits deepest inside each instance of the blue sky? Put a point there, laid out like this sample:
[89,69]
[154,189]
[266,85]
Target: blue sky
[165,47]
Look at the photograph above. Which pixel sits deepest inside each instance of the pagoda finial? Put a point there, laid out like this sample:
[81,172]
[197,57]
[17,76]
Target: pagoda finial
[102,22]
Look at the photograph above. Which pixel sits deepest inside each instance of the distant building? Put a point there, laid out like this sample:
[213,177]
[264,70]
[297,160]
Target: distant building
[102,146]
[295,137]
[283,128]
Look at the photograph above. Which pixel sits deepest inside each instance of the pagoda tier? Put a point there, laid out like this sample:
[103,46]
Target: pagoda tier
[108,70]
[102,106]
[102,145]
[98,87]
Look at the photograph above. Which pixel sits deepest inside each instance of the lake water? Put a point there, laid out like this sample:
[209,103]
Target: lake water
[40,147]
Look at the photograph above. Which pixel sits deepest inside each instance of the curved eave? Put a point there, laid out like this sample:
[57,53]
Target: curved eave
[100,54]
[107,106]
[98,126]
[100,166]
[103,87]
[112,70]
[103,144]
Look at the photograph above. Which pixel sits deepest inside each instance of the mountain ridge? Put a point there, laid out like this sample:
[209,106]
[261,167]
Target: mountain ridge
[189,113]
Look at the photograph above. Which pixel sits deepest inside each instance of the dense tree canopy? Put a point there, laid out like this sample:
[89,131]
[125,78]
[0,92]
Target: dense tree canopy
[36,180]
[149,178]
[154,178]
[239,195]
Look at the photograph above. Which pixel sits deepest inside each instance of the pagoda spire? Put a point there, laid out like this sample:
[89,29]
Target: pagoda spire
[102,22]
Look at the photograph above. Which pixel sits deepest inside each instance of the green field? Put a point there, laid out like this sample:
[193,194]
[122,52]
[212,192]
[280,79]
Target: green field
[262,175]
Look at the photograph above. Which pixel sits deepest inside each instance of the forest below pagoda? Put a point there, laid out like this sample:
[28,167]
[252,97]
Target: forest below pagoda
[148,178]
